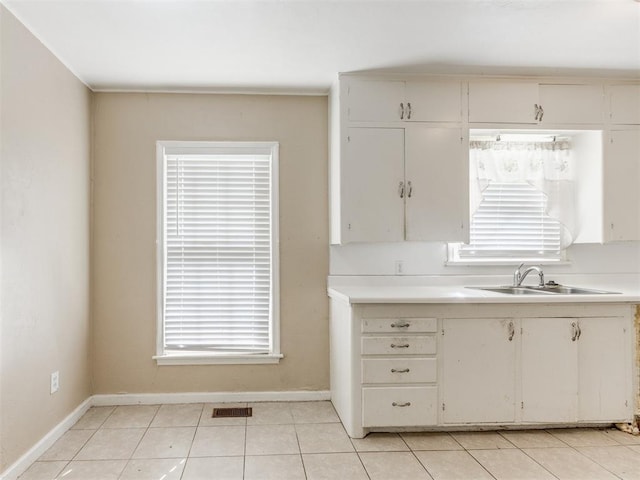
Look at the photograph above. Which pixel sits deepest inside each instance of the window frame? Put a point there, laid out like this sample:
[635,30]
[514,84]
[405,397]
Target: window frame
[163,148]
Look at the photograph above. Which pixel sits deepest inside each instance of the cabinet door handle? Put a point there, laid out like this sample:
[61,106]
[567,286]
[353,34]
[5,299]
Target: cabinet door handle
[512,331]
[541,113]
[575,332]
[405,404]
[401,111]
[408,111]
[402,345]
[409,189]
[401,189]
[579,330]
[537,110]
[400,325]
[405,370]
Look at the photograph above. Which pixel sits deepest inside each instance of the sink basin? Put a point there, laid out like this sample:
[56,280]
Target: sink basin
[564,290]
[546,290]
[515,290]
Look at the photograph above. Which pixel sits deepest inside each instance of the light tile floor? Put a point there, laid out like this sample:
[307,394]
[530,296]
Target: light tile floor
[306,440]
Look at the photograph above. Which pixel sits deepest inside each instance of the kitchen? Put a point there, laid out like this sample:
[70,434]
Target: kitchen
[104,188]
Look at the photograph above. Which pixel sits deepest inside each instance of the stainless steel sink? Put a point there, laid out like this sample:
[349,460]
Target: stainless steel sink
[546,290]
[514,290]
[564,290]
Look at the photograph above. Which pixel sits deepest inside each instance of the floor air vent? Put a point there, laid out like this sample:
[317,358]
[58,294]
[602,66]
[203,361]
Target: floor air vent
[231,412]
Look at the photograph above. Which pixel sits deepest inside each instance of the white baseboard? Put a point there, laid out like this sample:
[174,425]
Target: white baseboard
[25,461]
[209,397]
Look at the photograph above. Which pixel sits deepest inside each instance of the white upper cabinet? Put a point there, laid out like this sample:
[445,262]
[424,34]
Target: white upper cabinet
[371,100]
[503,102]
[433,101]
[374,100]
[404,184]
[373,185]
[624,104]
[621,172]
[535,103]
[571,104]
[437,175]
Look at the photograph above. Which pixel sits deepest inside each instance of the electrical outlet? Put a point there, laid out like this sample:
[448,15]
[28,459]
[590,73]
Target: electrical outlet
[399,267]
[55,382]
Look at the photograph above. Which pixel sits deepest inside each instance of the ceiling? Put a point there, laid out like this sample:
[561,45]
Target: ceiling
[300,45]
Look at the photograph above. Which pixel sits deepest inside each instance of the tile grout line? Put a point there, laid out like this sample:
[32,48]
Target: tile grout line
[68,462]
[366,472]
[146,430]
[598,463]
[186,459]
[304,468]
[244,448]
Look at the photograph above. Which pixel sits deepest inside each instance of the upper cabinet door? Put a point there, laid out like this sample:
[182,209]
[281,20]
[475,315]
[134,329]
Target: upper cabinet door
[503,102]
[572,104]
[374,100]
[621,194]
[433,101]
[373,185]
[624,104]
[437,176]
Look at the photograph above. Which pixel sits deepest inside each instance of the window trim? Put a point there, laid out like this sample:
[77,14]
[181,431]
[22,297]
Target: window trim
[164,147]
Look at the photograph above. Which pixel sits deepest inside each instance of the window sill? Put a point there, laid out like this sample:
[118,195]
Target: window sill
[498,262]
[204,359]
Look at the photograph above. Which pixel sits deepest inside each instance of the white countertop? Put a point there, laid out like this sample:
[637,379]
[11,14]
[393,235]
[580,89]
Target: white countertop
[454,290]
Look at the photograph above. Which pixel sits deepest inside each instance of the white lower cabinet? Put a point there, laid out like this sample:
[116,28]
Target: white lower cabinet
[604,388]
[399,406]
[432,367]
[549,367]
[479,366]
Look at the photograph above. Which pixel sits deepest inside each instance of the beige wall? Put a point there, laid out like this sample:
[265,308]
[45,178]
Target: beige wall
[126,127]
[44,290]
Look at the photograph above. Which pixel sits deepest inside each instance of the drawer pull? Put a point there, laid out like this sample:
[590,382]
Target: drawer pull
[394,370]
[400,325]
[406,404]
[402,345]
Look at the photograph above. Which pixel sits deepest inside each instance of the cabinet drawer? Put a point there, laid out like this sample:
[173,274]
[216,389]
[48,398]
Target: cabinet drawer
[399,370]
[380,325]
[399,406]
[409,345]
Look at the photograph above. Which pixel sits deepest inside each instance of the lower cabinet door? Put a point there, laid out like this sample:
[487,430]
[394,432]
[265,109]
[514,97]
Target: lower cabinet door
[479,370]
[399,406]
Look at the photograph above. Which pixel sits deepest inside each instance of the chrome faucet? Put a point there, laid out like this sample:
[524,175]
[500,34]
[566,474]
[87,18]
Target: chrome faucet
[519,276]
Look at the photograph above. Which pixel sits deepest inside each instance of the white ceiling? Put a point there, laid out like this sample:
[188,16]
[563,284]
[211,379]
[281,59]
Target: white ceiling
[300,45]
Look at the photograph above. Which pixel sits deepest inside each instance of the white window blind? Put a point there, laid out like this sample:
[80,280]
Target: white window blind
[218,246]
[511,221]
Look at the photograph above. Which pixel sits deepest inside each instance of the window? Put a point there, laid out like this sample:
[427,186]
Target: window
[217,252]
[522,198]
